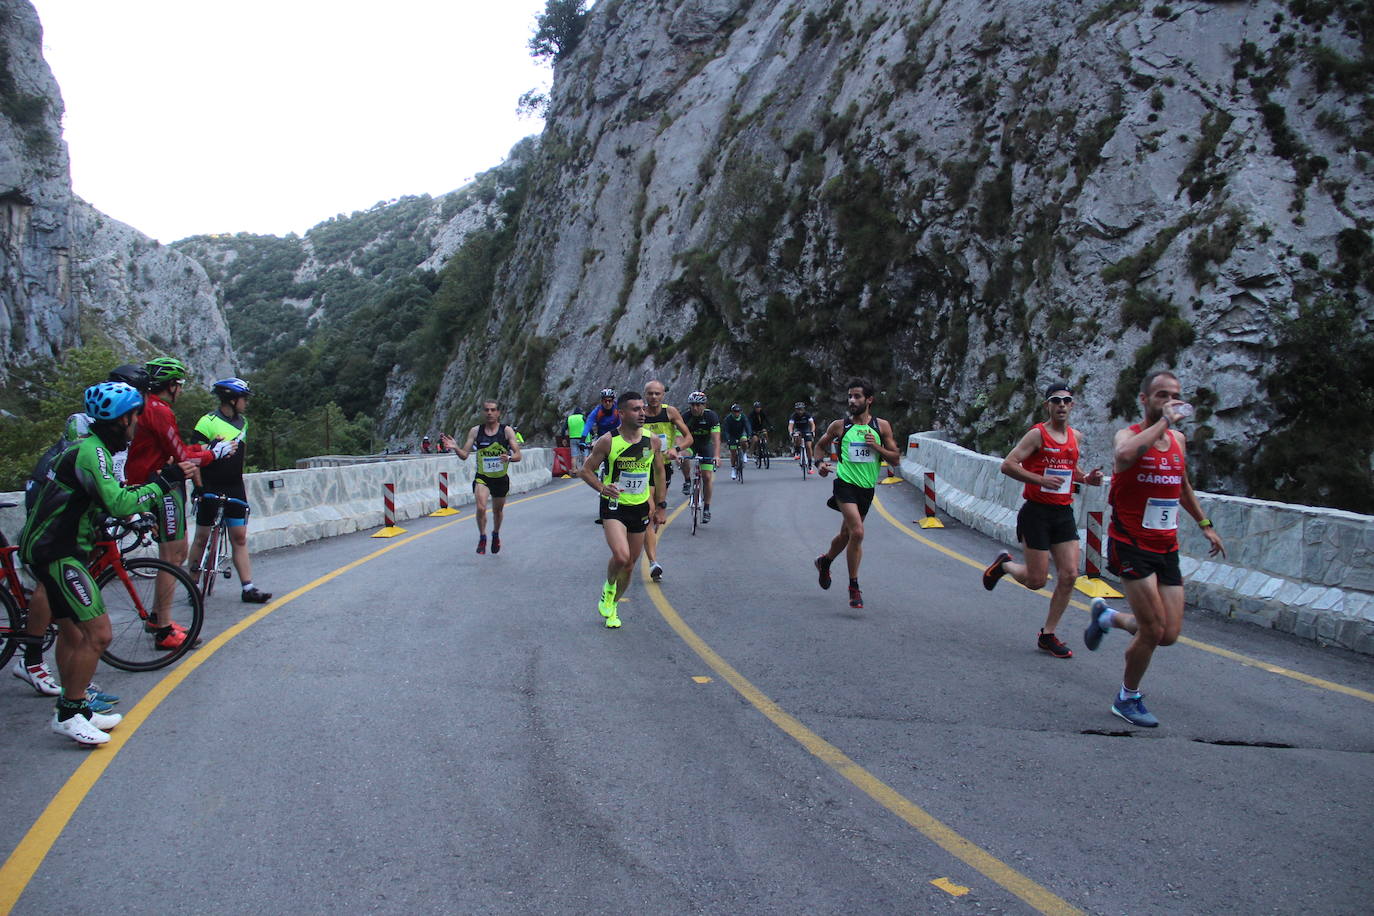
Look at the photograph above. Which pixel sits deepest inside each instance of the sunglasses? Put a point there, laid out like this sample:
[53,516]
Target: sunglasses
[1057,399]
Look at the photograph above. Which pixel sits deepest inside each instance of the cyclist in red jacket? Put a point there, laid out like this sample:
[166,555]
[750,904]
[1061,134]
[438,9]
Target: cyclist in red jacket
[157,442]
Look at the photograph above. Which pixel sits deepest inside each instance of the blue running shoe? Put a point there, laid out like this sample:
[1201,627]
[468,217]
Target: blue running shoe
[1092,636]
[1134,712]
[99,707]
[93,692]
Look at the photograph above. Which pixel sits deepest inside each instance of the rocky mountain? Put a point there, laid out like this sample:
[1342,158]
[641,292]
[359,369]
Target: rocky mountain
[68,274]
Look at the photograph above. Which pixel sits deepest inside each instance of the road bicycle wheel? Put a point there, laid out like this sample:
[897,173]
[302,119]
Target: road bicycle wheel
[209,563]
[129,606]
[14,625]
[739,466]
[767,459]
[223,553]
[696,502]
[804,461]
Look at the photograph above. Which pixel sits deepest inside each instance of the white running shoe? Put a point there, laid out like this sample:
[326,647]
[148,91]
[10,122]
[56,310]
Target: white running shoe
[36,676]
[655,572]
[79,729]
[105,720]
[732,473]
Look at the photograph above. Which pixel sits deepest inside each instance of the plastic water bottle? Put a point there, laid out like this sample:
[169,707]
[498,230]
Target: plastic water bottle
[613,503]
[1182,411]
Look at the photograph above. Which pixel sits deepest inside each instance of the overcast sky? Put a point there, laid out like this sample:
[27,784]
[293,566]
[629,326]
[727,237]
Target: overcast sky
[269,116]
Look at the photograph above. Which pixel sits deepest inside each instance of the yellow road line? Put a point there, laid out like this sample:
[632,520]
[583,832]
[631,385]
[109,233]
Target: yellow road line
[983,862]
[24,861]
[1192,643]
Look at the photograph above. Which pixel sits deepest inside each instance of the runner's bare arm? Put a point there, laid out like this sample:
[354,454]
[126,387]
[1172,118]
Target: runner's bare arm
[1129,446]
[1190,503]
[889,447]
[684,441]
[820,449]
[587,472]
[1011,465]
[514,444]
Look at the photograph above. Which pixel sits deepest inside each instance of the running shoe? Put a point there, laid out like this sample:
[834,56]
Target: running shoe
[655,572]
[80,730]
[607,603]
[495,542]
[823,567]
[1092,636]
[1134,711]
[705,514]
[98,706]
[152,626]
[93,692]
[613,621]
[856,597]
[482,544]
[1048,642]
[36,676]
[170,638]
[254,596]
[995,571]
[733,474]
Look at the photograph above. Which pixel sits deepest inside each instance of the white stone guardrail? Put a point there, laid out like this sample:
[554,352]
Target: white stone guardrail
[1298,569]
[296,506]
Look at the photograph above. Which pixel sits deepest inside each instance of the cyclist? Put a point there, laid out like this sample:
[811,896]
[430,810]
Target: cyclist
[704,426]
[497,446]
[601,419]
[155,442]
[758,419]
[62,530]
[664,422]
[225,477]
[736,432]
[801,428]
[628,487]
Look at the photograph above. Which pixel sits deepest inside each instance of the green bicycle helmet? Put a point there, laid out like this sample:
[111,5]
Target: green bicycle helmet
[163,371]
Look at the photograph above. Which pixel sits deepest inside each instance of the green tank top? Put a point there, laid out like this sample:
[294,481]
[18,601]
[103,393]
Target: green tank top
[489,449]
[662,428]
[859,460]
[577,425]
[629,464]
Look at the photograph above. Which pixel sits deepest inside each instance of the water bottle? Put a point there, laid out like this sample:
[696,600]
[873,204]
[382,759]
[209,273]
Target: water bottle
[613,503]
[1182,411]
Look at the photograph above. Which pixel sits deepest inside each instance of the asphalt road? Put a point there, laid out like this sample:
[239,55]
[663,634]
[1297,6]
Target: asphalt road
[436,731]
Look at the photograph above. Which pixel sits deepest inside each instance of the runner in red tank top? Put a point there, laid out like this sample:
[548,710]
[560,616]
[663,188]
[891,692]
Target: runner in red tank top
[1046,461]
[1150,487]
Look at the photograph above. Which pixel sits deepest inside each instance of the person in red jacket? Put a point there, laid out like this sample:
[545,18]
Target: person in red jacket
[156,442]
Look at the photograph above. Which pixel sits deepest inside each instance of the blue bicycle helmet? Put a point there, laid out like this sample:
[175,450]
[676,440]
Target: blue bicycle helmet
[230,388]
[112,400]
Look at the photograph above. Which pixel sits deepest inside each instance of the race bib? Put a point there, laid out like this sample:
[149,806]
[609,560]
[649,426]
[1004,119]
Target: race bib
[492,464]
[633,484]
[663,442]
[860,452]
[1062,478]
[1161,514]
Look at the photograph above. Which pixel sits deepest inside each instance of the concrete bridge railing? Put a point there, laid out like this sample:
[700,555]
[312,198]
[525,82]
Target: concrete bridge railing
[1299,569]
[296,506]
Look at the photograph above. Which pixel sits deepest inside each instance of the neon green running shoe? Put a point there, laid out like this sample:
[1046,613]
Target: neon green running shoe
[607,604]
[613,621]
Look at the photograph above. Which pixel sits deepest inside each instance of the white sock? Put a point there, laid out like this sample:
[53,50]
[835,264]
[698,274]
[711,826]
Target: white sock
[247,586]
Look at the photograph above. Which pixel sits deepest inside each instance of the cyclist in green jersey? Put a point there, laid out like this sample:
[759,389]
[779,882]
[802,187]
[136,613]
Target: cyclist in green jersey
[664,422]
[704,425]
[497,447]
[633,482]
[862,439]
[60,532]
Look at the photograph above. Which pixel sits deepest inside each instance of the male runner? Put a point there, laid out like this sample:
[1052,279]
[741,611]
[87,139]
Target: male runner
[1046,461]
[862,439]
[60,533]
[225,478]
[736,432]
[633,481]
[663,422]
[800,429]
[155,442]
[577,424]
[497,447]
[704,426]
[1149,486]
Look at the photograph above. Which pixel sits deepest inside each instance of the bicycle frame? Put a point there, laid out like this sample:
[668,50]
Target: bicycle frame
[215,560]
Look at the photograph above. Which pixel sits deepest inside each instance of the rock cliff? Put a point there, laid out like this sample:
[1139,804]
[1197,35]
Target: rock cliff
[69,275]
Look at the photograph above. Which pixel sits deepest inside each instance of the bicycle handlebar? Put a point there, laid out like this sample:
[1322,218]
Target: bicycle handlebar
[222,498]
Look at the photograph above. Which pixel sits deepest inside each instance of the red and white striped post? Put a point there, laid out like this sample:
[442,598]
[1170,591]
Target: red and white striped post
[389,513]
[1091,582]
[930,520]
[443,498]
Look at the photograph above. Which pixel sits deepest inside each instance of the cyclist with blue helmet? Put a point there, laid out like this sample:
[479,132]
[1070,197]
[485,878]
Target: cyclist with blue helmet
[224,477]
[60,533]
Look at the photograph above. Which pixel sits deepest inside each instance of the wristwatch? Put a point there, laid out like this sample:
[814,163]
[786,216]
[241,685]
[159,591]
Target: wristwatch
[662,505]
[1205,523]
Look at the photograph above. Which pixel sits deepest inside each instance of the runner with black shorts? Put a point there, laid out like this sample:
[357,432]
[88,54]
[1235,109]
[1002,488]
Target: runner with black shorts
[497,447]
[862,438]
[633,491]
[1046,461]
[664,423]
[1149,487]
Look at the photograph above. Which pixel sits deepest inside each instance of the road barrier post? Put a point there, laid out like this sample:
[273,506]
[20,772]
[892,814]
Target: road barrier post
[389,513]
[930,521]
[1091,583]
[443,509]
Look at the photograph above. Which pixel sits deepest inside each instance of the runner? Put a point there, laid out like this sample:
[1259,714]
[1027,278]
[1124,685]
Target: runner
[577,424]
[225,478]
[862,439]
[497,448]
[60,533]
[663,422]
[1149,486]
[801,428]
[1046,461]
[736,432]
[155,442]
[704,426]
[634,476]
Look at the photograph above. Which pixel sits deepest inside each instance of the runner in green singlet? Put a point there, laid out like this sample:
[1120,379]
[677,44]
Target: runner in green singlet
[862,438]
[496,446]
[663,422]
[633,483]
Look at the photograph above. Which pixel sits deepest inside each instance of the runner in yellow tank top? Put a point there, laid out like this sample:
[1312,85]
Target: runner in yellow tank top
[664,422]
[497,447]
[862,440]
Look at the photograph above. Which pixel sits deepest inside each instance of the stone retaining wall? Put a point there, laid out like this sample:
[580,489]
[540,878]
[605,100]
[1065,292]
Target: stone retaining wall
[1299,569]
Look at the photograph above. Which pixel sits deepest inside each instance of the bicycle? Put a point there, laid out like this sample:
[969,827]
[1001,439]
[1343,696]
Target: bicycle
[761,456]
[737,461]
[804,460]
[128,589]
[695,494]
[14,600]
[216,560]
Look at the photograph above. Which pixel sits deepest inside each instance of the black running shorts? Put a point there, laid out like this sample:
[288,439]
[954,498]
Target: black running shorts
[1130,562]
[845,492]
[1040,525]
[634,518]
[497,486]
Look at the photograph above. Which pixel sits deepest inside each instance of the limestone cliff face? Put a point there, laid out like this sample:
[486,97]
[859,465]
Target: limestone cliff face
[69,275]
[962,200]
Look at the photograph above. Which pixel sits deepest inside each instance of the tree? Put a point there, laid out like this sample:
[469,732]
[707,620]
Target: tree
[558,29]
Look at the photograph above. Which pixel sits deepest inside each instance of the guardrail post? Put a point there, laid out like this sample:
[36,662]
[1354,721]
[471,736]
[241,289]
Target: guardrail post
[930,521]
[1091,583]
[389,513]
[443,498]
